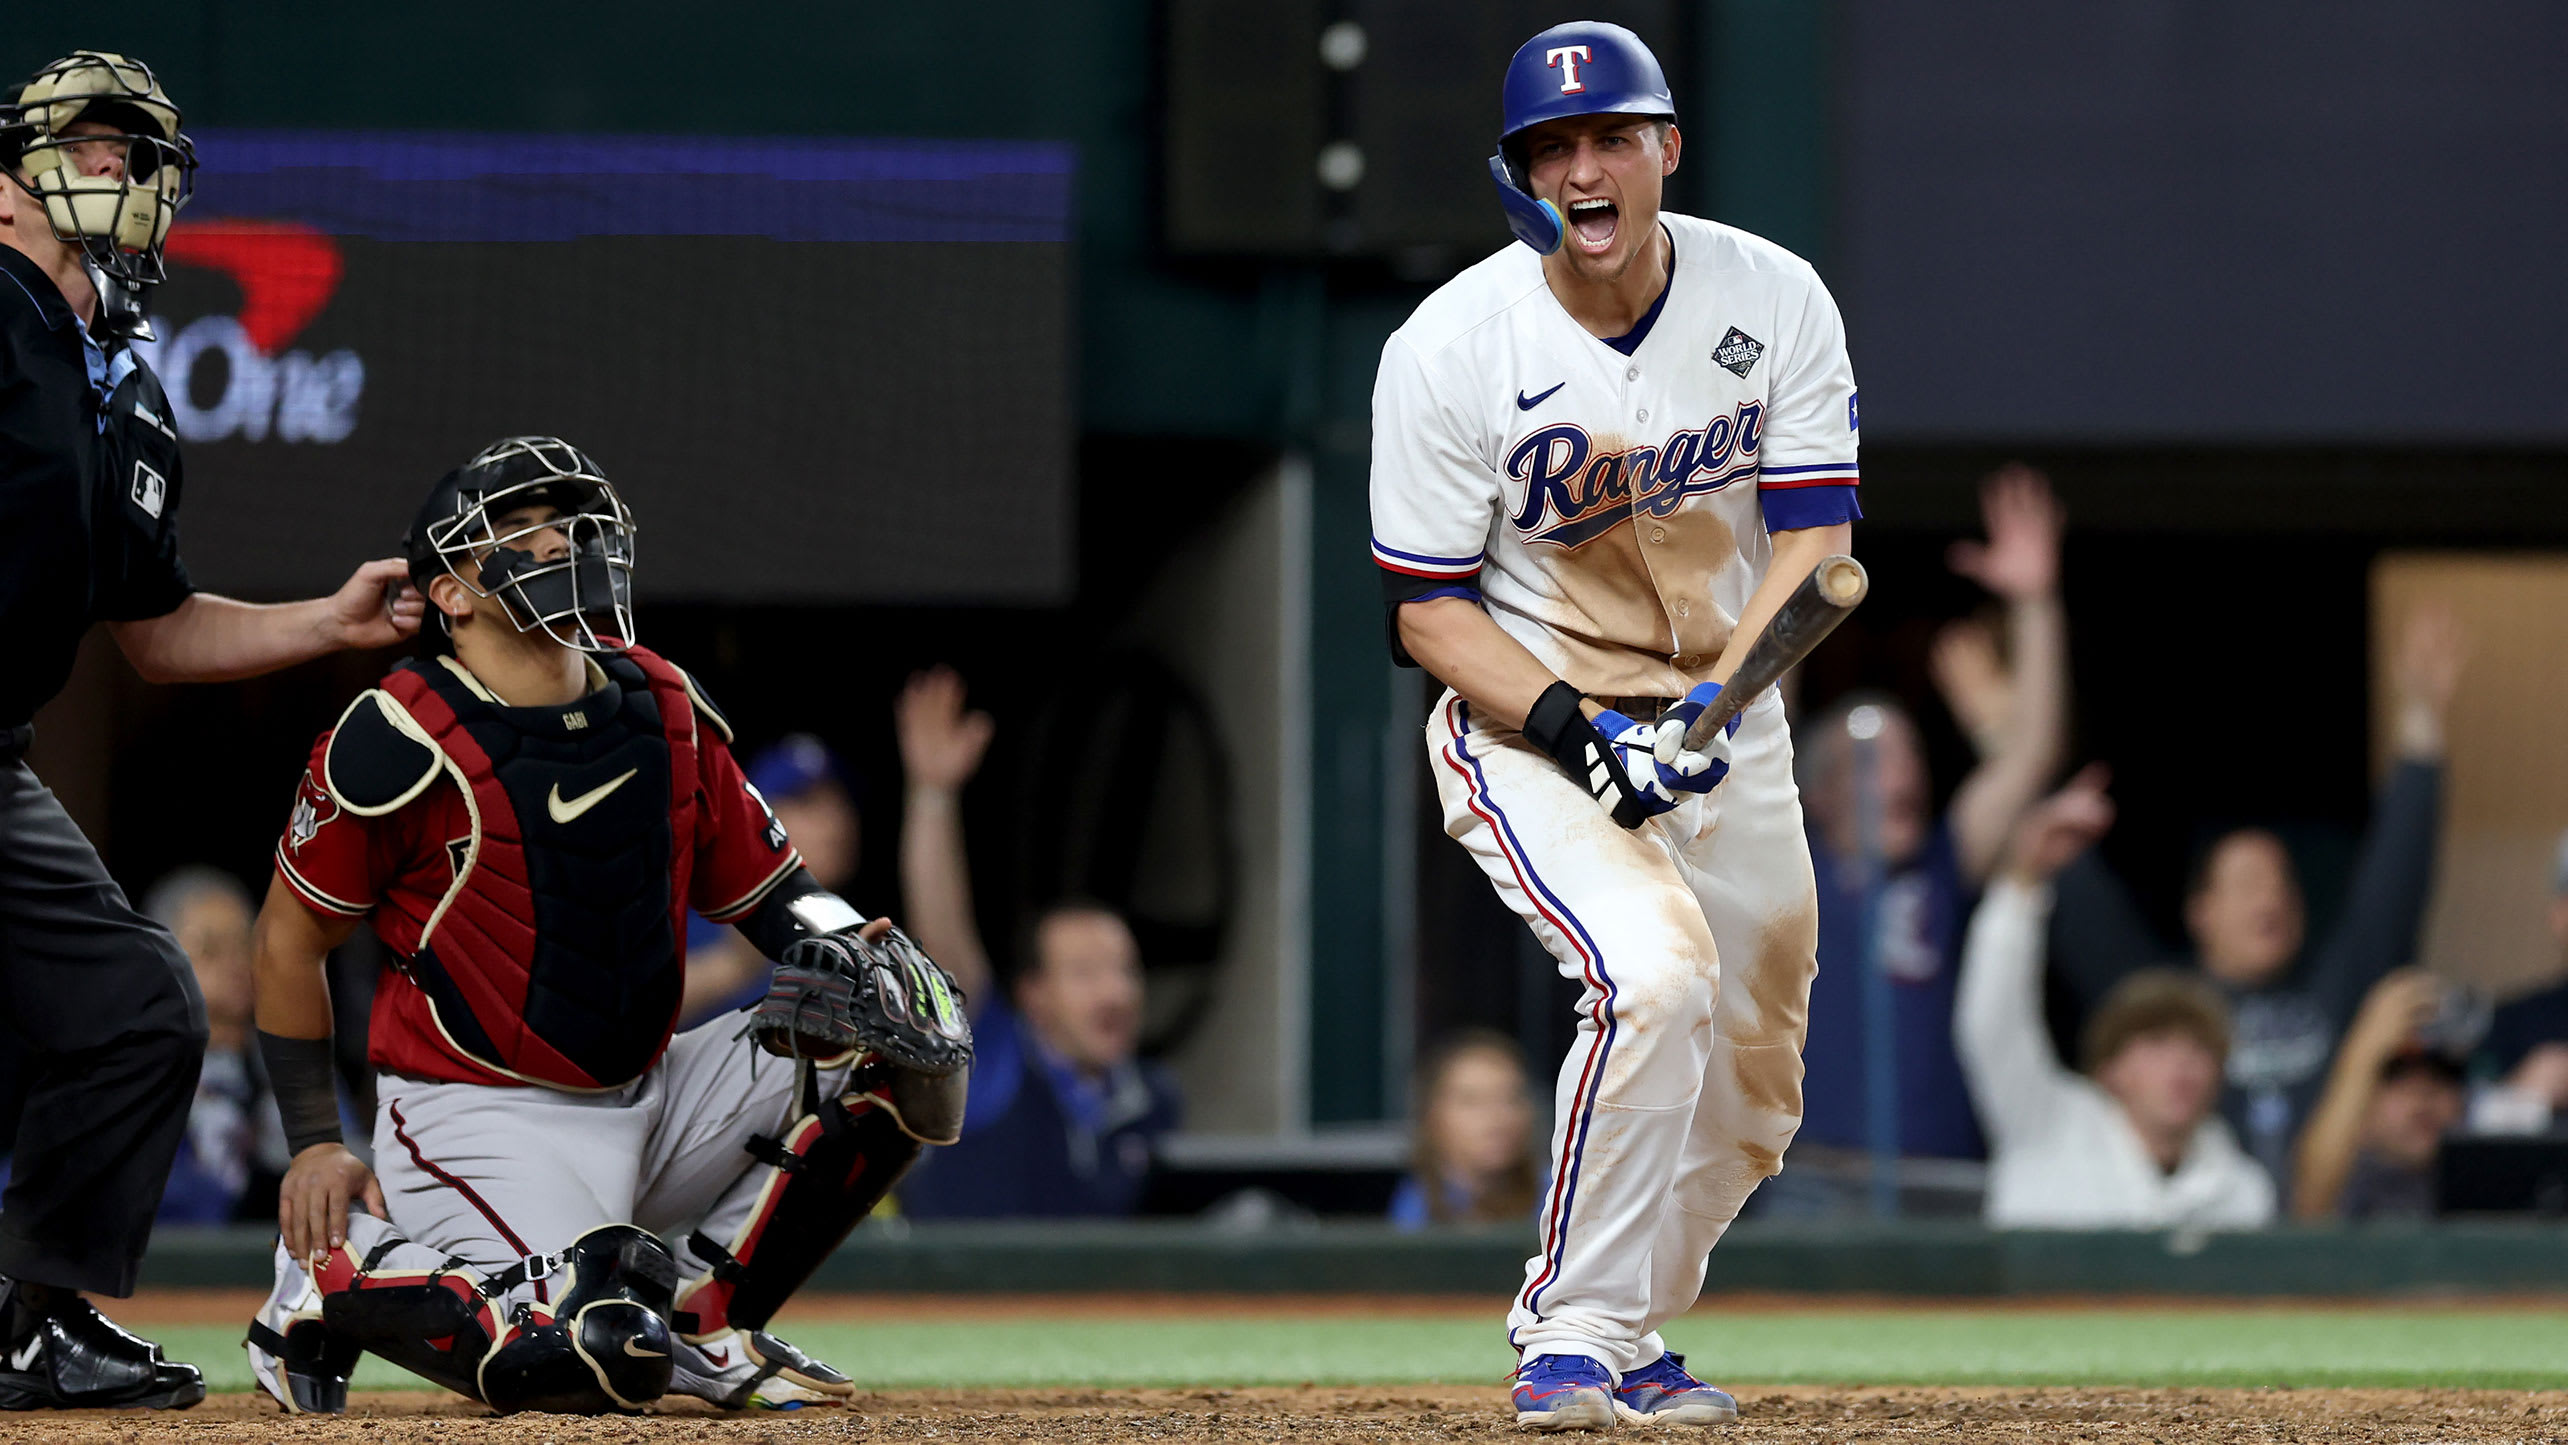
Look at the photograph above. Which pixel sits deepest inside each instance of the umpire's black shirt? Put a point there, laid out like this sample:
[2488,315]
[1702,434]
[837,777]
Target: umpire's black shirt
[89,483]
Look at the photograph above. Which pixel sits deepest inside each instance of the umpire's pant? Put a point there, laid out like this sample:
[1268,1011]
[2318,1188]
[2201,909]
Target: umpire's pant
[102,1007]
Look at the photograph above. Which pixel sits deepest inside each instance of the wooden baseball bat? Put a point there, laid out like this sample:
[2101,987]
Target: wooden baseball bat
[1806,618]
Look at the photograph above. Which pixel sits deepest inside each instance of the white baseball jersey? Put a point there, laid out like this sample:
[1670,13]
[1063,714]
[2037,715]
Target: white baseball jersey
[1611,510]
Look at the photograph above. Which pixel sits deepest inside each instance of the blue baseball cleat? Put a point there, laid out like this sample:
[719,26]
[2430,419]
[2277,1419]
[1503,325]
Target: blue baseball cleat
[1662,1393]
[1564,1392]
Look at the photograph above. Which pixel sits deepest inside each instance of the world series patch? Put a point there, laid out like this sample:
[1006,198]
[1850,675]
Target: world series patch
[1738,352]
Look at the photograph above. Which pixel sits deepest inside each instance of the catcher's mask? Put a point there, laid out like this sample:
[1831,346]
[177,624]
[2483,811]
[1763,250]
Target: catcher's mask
[118,217]
[581,597]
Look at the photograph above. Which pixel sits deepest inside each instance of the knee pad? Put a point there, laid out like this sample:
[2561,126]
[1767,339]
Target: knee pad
[829,1171]
[605,1345]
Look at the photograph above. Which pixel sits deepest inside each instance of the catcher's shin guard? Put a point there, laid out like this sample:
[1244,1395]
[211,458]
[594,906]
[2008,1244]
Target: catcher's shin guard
[436,1323]
[605,1344]
[828,1172]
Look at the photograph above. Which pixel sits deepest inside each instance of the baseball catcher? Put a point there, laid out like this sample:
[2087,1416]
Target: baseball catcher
[570,1208]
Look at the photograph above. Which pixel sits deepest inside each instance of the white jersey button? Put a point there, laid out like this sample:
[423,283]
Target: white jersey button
[1643,414]
[1658,534]
[1683,607]
[1631,373]
[1689,659]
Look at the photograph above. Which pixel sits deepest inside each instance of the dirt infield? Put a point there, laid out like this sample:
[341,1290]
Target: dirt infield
[1318,1416]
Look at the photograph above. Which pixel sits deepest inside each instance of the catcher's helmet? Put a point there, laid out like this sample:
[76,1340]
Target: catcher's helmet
[581,599]
[1586,67]
[119,221]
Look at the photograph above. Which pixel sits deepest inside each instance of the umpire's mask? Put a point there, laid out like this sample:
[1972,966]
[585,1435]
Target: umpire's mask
[581,598]
[119,219]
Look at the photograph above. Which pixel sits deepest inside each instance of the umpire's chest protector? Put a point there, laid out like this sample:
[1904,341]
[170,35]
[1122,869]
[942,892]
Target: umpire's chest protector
[555,957]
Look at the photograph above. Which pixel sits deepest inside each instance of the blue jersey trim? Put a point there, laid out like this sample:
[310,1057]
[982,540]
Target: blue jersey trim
[1804,507]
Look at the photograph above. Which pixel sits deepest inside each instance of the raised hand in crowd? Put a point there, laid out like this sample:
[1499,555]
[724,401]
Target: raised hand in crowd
[2425,672]
[2016,716]
[2020,561]
[2062,826]
[942,745]
[2388,1024]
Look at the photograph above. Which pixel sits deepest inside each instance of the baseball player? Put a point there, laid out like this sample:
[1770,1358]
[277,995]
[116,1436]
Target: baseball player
[1601,461]
[525,817]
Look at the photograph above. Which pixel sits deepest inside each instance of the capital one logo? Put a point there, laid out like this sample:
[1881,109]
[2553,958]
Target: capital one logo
[287,273]
[1565,60]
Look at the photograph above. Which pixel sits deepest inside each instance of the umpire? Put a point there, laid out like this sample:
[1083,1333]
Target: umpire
[107,1022]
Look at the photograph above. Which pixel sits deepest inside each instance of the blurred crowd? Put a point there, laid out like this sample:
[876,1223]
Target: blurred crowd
[1989,991]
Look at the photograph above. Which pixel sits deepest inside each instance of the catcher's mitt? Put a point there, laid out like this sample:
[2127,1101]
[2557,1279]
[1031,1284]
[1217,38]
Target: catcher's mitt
[834,992]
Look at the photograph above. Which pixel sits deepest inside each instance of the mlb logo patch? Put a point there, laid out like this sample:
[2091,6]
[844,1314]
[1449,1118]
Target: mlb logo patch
[1738,352]
[150,492]
[1851,423]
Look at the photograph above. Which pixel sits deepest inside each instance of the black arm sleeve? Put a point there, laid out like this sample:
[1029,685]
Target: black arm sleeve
[1400,587]
[776,922]
[306,1087]
[2385,909]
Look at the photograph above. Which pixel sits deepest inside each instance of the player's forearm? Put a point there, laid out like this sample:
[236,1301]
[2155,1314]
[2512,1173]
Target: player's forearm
[216,639]
[1466,650]
[2008,780]
[1796,554]
[936,888]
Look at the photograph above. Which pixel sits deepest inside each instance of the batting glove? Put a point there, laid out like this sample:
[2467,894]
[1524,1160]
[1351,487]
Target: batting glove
[1677,721]
[1614,758]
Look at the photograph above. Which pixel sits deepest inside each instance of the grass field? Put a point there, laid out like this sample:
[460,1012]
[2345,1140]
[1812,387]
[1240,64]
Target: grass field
[2285,1346]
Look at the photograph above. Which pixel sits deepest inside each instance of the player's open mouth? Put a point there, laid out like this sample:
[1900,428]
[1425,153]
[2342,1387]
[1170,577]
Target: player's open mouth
[1593,220]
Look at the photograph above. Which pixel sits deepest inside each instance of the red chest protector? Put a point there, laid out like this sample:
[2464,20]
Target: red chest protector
[557,955]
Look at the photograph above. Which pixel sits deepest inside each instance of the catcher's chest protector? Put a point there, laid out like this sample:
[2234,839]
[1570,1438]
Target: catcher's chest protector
[555,957]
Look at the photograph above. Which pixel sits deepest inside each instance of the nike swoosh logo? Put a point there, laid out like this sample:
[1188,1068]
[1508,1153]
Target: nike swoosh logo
[721,1358]
[25,1358]
[564,810]
[1526,403]
[629,1348]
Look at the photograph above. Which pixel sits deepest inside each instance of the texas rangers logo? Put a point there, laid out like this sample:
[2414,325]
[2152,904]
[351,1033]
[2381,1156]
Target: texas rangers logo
[1565,60]
[1575,494]
[307,820]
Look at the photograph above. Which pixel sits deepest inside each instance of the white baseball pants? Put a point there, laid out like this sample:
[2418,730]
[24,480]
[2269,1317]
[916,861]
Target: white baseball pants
[1696,938]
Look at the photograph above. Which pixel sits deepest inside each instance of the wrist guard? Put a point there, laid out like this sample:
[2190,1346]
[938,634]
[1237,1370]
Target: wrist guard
[1557,726]
[835,993]
[306,1084]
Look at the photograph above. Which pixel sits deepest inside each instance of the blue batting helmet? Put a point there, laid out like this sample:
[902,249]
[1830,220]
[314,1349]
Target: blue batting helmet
[1586,67]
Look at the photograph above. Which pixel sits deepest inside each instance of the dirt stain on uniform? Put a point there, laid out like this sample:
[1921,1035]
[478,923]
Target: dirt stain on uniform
[1778,986]
[1769,1079]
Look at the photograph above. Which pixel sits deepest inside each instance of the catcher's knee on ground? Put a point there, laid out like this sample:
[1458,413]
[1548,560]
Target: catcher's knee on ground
[826,1173]
[601,1345]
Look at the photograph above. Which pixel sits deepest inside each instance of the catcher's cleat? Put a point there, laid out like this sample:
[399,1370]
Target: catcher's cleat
[751,1369]
[1563,1392]
[57,1352]
[1663,1393]
[301,1362]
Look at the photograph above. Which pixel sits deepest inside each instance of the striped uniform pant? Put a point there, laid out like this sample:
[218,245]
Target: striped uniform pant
[1695,937]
